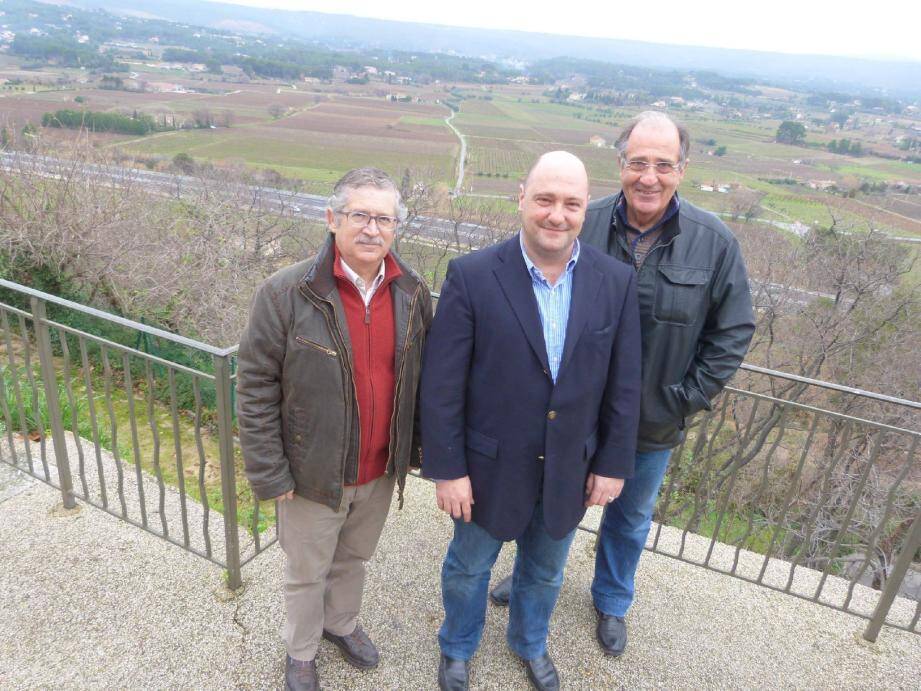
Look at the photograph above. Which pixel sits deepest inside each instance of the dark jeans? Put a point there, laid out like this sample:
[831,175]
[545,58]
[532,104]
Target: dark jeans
[623,534]
[538,576]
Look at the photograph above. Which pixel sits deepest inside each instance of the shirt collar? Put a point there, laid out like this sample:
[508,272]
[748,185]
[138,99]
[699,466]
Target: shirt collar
[357,280]
[670,211]
[532,267]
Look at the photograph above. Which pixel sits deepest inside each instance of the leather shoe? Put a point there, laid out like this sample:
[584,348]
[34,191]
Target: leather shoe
[356,647]
[542,673]
[502,593]
[452,674]
[300,675]
[611,633]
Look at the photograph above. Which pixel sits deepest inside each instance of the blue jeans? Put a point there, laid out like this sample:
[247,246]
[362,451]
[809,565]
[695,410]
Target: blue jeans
[538,576]
[623,534]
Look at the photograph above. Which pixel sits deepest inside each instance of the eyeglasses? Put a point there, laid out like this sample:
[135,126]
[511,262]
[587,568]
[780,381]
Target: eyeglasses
[662,167]
[362,219]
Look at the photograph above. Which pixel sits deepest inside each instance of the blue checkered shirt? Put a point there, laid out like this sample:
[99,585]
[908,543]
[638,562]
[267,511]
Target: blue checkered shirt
[553,304]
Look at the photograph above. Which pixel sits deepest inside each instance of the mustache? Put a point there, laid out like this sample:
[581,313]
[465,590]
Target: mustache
[368,240]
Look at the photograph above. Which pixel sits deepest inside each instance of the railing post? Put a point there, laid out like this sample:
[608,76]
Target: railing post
[228,471]
[894,582]
[50,382]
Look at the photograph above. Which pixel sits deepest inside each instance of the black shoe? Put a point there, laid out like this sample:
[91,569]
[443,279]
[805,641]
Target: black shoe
[357,648]
[452,674]
[502,593]
[611,633]
[542,673]
[300,675]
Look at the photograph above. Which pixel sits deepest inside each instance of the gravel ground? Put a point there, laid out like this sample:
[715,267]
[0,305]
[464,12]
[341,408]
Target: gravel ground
[87,601]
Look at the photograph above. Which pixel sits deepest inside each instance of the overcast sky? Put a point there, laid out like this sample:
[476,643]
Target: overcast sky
[825,27]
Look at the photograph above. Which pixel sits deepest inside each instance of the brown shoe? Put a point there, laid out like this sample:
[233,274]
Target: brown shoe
[357,648]
[300,675]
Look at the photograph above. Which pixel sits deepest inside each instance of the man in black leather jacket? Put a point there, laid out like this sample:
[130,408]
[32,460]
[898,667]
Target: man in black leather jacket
[696,322]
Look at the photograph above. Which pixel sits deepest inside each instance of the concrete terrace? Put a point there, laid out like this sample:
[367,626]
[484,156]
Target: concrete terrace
[89,601]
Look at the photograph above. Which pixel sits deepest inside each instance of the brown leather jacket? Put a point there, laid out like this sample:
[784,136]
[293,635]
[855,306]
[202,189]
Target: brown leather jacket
[296,405]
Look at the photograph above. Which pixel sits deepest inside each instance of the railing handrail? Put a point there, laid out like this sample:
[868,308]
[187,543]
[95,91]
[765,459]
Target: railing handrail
[223,352]
[832,386]
[115,319]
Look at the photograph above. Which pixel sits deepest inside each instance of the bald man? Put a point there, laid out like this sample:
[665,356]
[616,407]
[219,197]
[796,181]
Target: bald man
[530,405]
[697,321]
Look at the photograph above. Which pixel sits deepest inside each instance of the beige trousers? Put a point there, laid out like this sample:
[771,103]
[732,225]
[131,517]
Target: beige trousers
[326,554]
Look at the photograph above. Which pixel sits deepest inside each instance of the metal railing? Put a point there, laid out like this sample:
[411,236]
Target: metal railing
[771,486]
[145,436]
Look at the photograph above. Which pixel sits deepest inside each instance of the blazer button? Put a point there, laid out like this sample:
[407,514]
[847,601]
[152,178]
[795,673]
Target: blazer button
[551,415]
[297,437]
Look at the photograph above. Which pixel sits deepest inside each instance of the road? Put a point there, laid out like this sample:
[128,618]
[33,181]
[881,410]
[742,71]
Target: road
[299,204]
[463,153]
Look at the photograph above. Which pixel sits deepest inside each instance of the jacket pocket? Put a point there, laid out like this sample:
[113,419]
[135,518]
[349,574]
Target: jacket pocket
[317,346]
[475,441]
[680,292]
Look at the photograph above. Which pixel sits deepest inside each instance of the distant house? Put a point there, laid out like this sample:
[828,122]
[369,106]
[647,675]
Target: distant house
[597,140]
[167,87]
[821,184]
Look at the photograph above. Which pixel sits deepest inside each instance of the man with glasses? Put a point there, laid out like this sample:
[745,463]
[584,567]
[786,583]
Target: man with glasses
[326,389]
[696,322]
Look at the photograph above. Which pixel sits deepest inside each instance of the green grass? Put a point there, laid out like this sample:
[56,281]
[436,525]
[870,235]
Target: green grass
[732,529]
[118,437]
[309,159]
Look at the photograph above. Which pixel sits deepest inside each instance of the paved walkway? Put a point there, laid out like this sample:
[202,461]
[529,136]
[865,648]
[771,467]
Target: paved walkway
[87,601]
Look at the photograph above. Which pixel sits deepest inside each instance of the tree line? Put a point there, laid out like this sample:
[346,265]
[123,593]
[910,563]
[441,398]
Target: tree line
[95,121]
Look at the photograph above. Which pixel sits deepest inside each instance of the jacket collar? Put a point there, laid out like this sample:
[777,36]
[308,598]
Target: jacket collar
[515,280]
[669,223]
[321,280]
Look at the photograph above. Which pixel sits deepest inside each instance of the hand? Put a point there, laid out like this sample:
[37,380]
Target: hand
[287,496]
[455,497]
[600,490]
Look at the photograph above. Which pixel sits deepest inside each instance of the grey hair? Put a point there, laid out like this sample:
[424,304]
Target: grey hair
[364,177]
[684,138]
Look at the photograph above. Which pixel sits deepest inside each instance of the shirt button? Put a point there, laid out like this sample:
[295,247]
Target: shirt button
[551,415]
[297,437]
[540,458]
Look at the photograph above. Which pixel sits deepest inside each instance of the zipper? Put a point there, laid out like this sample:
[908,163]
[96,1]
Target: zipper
[399,381]
[370,385]
[304,341]
[355,395]
[346,366]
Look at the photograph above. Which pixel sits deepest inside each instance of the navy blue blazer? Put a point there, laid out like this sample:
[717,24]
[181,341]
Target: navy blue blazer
[489,406]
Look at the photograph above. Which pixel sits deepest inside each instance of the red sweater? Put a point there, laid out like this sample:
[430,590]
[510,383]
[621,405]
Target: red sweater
[373,337]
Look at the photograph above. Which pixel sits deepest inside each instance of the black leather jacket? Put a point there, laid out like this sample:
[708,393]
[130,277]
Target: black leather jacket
[696,313]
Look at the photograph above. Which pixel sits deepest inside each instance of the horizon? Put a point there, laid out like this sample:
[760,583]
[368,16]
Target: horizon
[807,33]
